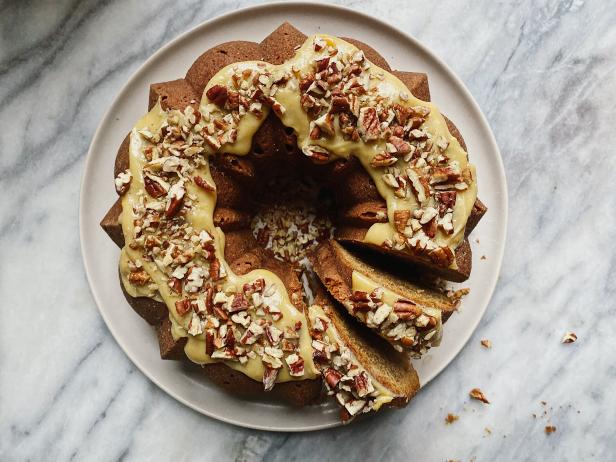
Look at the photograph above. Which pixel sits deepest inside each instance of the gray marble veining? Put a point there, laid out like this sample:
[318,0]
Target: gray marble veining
[543,72]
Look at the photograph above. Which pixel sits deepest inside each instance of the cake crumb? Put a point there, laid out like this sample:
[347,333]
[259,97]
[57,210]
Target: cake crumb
[477,394]
[486,343]
[569,337]
[549,429]
[451,418]
[483,257]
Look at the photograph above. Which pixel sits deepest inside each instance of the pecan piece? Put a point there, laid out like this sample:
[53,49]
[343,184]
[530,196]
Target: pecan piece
[239,303]
[269,378]
[446,200]
[175,204]
[383,159]
[215,269]
[442,256]
[445,175]
[217,94]
[368,123]
[304,84]
[183,306]
[340,104]
[406,309]
[317,153]
[361,384]
[401,219]
[402,147]
[296,365]
[122,182]
[332,377]
[176,285]
[153,187]
[139,278]
[203,184]
[209,343]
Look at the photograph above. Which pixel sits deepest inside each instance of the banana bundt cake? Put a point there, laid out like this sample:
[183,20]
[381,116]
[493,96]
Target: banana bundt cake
[336,302]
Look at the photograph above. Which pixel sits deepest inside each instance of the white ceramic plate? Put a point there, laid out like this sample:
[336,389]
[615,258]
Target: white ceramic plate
[100,255]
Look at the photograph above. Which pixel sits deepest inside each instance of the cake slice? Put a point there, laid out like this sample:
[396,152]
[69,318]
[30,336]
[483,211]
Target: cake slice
[359,369]
[407,315]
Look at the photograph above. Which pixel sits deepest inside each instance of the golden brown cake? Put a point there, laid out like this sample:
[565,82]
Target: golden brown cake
[195,170]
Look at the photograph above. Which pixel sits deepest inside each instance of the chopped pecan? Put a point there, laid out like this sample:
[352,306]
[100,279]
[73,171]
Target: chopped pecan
[445,175]
[406,309]
[304,84]
[340,104]
[446,200]
[332,377]
[217,94]
[209,343]
[139,277]
[401,219]
[233,100]
[368,123]
[153,187]
[239,303]
[430,228]
[269,378]
[383,159]
[175,205]
[361,382]
[296,365]
[315,133]
[176,285]
[402,147]
[322,63]
[203,184]
[215,270]
[361,301]
[122,182]
[183,306]
[317,153]
[442,256]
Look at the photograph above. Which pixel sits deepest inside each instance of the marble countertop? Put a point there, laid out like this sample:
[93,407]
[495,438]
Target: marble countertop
[543,73]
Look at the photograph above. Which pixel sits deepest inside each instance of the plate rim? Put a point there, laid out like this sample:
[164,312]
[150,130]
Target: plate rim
[504,213]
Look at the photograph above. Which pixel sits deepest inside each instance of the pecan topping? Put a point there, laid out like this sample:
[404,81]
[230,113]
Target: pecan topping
[402,147]
[269,378]
[139,277]
[401,219]
[239,303]
[442,256]
[406,309]
[383,159]
[446,200]
[218,95]
[332,377]
[340,104]
[122,182]
[175,204]
[368,123]
[183,306]
[153,187]
[317,153]
[203,184]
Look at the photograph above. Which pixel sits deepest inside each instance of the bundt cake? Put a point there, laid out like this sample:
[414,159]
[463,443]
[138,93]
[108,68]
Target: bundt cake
[224,292]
